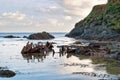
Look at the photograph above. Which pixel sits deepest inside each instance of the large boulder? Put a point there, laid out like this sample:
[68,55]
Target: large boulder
[7,73]
[11,36]
[43,35]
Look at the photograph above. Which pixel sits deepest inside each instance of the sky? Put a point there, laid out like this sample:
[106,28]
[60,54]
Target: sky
[43,15]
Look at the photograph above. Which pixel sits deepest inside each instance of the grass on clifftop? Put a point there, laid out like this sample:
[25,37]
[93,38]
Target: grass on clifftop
[113,10]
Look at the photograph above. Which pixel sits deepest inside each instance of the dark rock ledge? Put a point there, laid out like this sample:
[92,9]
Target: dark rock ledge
[38,36]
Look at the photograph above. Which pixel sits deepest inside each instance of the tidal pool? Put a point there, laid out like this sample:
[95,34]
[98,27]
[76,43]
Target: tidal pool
[49,66]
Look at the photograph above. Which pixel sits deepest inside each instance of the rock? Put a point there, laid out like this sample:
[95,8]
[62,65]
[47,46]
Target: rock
[94,45]
[77,42]
[114,55]
[38,36]
[53,43]
[11,36]
[93,49]
[25,37]
[118,56]
[99,44]
[101,24]
[7,73]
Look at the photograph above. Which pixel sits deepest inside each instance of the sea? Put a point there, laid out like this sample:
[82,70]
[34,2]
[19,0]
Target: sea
[48,66]
[22,34]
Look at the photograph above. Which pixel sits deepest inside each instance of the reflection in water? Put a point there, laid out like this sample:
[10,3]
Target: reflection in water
[92,74]
[71,64]
[41,56]
[33,56]
[76,64]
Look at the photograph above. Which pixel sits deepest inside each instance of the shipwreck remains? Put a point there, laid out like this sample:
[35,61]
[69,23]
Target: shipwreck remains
[37,48]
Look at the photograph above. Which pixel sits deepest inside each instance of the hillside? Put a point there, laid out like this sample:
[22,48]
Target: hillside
[102,23]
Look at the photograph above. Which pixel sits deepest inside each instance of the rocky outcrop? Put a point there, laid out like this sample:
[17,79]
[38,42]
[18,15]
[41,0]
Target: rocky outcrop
[25,37]
[11,36]
[93,49]
[43,35]
[114,54]
[102,23]
[7,73]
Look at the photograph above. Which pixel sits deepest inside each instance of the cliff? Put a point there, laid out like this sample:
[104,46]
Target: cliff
[102,23]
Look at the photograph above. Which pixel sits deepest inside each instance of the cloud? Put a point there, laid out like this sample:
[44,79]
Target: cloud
[2,24]
[53,7]
[48,9]
[79,7]
[67,17]
[53,21]
[76,3]
[14,18]
[100,1]
[14,15]
[44,10]
[47,15]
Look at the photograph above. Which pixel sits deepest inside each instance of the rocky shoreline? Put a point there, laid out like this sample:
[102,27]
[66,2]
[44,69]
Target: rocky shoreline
[101,24]
[100,38]
[6,73]
[97,49]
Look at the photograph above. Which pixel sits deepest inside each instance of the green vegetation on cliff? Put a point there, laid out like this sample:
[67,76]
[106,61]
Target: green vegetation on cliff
[109,12]
[113,13]
[96,14]
[104,20]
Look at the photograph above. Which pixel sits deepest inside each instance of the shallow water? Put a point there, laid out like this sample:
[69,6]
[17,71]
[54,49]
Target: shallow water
[48,66]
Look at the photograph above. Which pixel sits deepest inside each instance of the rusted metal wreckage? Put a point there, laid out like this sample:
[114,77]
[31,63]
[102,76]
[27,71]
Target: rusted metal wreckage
[37,48]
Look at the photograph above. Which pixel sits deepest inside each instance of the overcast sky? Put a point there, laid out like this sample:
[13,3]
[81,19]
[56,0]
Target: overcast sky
[43,15]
